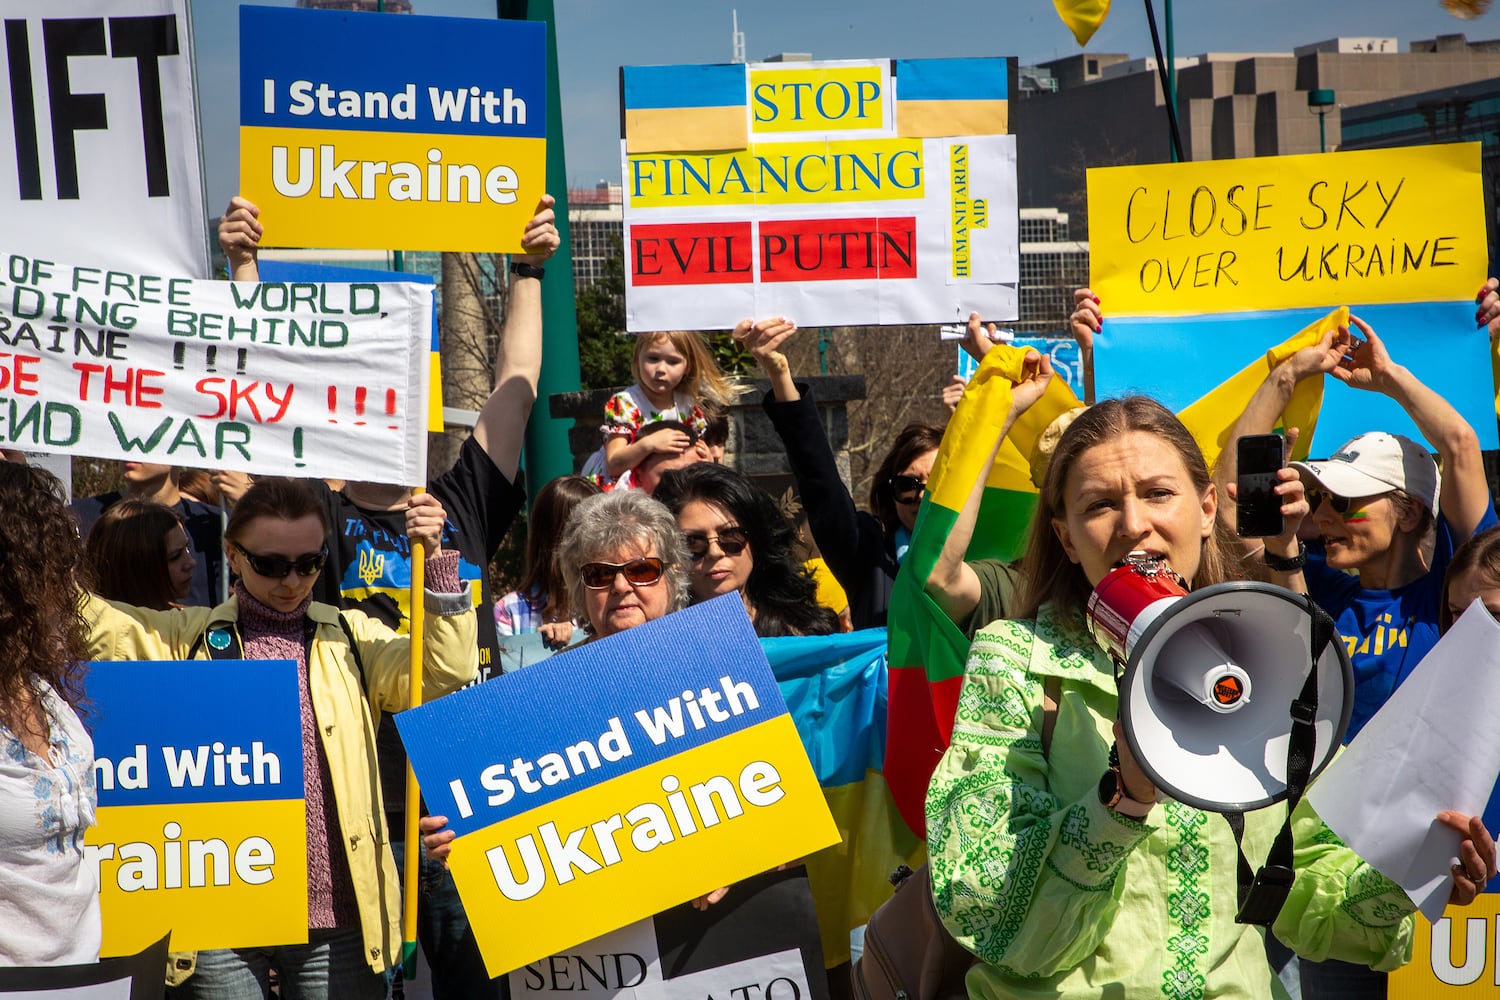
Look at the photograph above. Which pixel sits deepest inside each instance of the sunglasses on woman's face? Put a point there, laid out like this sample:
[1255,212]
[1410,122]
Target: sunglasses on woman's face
[732,541]
[276,567]
[1340,504]
[907,489]
[638,573]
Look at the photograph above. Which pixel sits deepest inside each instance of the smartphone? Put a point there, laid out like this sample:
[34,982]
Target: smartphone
[1260,458]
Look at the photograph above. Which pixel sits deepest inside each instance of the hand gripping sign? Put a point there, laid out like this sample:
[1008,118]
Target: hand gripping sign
[620,778]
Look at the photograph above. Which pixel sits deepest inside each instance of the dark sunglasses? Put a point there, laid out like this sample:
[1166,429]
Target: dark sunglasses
[1340,504]
[907,489]
[276,567]
[638,573]
[732,541]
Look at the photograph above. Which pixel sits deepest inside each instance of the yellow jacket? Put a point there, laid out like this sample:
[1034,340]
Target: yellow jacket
[343,712]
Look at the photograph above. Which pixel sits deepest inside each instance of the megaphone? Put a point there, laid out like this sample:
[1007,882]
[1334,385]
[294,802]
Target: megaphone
[1210,680]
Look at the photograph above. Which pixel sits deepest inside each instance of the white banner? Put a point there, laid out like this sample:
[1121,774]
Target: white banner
[293,379]
[99,150]
[834,193]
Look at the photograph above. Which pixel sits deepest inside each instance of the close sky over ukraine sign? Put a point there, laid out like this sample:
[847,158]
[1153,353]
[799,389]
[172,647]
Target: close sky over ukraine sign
[202,828]
[426,133]
[1203,267]
[616,780]
[857,192]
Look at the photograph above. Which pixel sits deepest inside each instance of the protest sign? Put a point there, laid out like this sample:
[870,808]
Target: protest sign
[130,977]
[1062,351]
[615,781]
[1454,958]
[101,160]
[760,941]
[834,193]
[1203,267]
[289,272]
[426,133]
[278,379]
[202,829]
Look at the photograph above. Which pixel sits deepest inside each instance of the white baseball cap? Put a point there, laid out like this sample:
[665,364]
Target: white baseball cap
[1374,463]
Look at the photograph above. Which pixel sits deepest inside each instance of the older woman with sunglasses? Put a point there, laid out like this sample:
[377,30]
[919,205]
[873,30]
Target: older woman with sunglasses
[348,664]
[864,549]
[739,541]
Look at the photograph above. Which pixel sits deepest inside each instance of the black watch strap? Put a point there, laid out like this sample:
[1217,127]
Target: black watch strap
[1285,564]
[521,269]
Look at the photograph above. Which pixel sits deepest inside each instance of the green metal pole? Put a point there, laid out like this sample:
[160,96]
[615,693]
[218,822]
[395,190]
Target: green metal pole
[1171,71]
[547,453]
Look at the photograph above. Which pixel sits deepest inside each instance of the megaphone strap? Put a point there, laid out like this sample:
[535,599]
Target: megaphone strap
[1262,894]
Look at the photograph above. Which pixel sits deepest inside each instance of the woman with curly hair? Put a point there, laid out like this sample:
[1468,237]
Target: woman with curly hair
[49,904]
[738,540]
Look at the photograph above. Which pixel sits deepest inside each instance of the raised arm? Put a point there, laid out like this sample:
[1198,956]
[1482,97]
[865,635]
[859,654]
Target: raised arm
[1268,402]
[501,427]
[1465,494]
[953,585]
[239,237]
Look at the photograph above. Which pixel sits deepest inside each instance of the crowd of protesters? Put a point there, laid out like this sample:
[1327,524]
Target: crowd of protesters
[1096,890]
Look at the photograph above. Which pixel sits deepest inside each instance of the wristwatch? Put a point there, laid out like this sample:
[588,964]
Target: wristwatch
[1113,794]
[521,269]
[1286,564]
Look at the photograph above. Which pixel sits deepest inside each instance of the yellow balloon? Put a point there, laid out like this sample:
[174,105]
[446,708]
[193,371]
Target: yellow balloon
[1466,9]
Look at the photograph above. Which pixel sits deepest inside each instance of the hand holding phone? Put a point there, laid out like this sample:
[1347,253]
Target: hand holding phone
[1260,458]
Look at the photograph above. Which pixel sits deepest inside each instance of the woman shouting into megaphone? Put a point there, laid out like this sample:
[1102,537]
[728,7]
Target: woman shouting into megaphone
[1051,858]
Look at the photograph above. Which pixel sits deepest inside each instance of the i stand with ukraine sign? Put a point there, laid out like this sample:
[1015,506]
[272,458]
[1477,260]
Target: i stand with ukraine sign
[616,780]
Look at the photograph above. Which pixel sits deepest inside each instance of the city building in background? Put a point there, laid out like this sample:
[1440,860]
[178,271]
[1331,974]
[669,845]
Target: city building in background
[1052,265]
[596,225]
[1231,104]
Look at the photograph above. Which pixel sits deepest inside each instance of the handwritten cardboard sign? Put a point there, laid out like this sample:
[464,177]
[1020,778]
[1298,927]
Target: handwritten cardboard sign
[202,829]
[1203,267]
[281,379]
[616,780]
[427,133]
[99,158]
[870,191]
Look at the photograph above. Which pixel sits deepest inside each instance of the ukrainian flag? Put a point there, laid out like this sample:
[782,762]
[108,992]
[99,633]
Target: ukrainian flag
[684,108]
[835,689]
[936,98]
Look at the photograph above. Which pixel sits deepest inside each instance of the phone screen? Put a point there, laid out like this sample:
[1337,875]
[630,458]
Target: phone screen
[1258,506]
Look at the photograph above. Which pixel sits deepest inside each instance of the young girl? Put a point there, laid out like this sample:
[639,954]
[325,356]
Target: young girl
[540,603]
[674,376]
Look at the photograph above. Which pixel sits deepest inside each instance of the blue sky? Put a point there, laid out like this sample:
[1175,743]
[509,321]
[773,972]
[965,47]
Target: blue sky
[595,37]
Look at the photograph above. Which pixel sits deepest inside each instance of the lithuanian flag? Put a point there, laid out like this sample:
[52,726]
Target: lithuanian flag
[927,651]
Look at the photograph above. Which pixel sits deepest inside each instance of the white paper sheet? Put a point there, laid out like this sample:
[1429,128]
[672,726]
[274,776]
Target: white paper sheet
[1432,746]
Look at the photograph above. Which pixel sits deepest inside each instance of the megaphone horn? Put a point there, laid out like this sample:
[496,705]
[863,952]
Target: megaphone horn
[1209,681]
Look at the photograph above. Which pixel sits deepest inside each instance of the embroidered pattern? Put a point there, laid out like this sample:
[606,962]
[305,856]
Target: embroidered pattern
[1187,903]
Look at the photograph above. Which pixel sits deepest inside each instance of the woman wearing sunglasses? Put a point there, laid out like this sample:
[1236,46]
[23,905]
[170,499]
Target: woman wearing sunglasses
[348,664]
[739,541]
[1387,526]
[864,549]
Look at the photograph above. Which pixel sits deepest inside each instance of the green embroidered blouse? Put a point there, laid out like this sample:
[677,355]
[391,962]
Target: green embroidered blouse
[1062,897]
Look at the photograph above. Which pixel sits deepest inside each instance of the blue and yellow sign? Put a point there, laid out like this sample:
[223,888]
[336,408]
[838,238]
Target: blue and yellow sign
[426,133]
[616,780]
[202,829]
